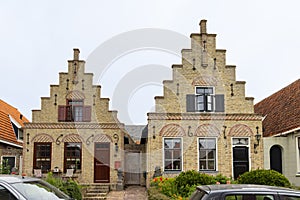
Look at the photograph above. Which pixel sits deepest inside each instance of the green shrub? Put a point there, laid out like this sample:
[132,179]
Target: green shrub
[4,167]
[222,179]
[189,179]
[168,187]
[155,194]
[264,177]
[69,187]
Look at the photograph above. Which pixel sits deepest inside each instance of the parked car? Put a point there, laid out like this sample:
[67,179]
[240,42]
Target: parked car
[244,192]
[13,187]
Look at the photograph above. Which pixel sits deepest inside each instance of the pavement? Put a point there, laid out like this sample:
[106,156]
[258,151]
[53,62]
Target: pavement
[130,193]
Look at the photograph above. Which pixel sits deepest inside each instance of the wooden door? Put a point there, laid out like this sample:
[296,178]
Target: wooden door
[132,168]
[102,163]
[240,161]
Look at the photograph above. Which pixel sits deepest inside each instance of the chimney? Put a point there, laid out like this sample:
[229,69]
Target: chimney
[203,26]
[76,54]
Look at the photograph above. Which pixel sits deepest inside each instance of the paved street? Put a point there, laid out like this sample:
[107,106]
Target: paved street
[130,193]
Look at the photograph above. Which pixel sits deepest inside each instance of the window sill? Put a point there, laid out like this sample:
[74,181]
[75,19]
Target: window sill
[172,172]
[208,171]
[298,174]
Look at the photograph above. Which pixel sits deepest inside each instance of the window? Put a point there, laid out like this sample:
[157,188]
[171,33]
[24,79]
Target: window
[207,154]
[72,159]
[5,194]
[172,153]
[8,162]
[42,156]
[205,100]
[249,197]
[74,111]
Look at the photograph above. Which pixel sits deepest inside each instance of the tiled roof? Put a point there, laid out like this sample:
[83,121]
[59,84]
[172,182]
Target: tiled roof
[6,130]
[281,110]
[135,132]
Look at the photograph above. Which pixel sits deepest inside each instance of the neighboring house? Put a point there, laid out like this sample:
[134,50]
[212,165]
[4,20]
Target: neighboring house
[74,129]
[204,121]
[11,136]
[281,125]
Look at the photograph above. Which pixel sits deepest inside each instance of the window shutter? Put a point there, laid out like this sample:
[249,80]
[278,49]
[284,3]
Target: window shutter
[87,112]
[220,107]
[62,111]
[190,103]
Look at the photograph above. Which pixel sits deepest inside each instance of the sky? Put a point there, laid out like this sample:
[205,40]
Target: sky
[38,37]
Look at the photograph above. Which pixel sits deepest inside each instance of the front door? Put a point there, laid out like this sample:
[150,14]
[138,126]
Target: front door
[240,160]
[276,158]
[132,168]
[101,163]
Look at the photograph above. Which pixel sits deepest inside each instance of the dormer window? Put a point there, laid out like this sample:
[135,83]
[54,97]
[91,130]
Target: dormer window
[205,100]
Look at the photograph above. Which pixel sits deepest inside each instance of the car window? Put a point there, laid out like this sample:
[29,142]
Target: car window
[289,197]
[198,195]
[5,194]
[39,191]
[249,197]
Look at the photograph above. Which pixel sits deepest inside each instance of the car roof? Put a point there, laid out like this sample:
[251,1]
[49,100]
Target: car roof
[242,187]
[16,179]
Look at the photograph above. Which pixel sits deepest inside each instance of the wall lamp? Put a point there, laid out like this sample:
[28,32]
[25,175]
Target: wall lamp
[257,137]
[153,132]
[27,138]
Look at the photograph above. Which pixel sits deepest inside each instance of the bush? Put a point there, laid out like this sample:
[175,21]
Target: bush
[222,179]
[69,187]
[189,179]
[264,177]
[155,194]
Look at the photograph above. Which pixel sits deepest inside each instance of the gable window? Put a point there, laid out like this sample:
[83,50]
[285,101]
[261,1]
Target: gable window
[205,100]
[74,111]
[207,154]
[42,156]
[172,154]
[72,158]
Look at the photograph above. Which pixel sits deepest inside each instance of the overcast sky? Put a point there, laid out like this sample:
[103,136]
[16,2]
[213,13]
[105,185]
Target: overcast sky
[37,37]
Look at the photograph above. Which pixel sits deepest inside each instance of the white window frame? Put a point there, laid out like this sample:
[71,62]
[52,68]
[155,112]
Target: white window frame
[298,154]
[163,154]
[249,152]
[216,156]
[213,99]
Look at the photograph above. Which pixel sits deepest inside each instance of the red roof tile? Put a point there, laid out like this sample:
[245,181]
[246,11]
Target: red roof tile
[6,129]
[281,110]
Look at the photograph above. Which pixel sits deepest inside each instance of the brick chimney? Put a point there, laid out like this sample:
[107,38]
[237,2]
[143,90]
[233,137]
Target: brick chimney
[76,54]
[203,26]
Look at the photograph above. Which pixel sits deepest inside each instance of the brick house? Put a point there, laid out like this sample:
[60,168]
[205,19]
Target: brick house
[281,125]
[204,121]
[74,129]
[11,136]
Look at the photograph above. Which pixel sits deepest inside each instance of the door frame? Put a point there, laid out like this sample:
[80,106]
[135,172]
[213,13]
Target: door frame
[240,145]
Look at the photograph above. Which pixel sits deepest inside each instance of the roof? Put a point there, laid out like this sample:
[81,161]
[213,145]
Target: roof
[241,187]
[8,114]
[17,179]
[135,132]
[281,110]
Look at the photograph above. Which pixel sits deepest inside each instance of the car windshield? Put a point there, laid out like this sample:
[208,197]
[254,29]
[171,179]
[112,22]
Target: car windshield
[38,190]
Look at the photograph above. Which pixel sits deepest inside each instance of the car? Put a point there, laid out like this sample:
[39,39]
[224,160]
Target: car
[14,187]
[244,192]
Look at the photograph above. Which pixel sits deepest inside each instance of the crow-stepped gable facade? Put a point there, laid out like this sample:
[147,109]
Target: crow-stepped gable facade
[74,129]
[204,121]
